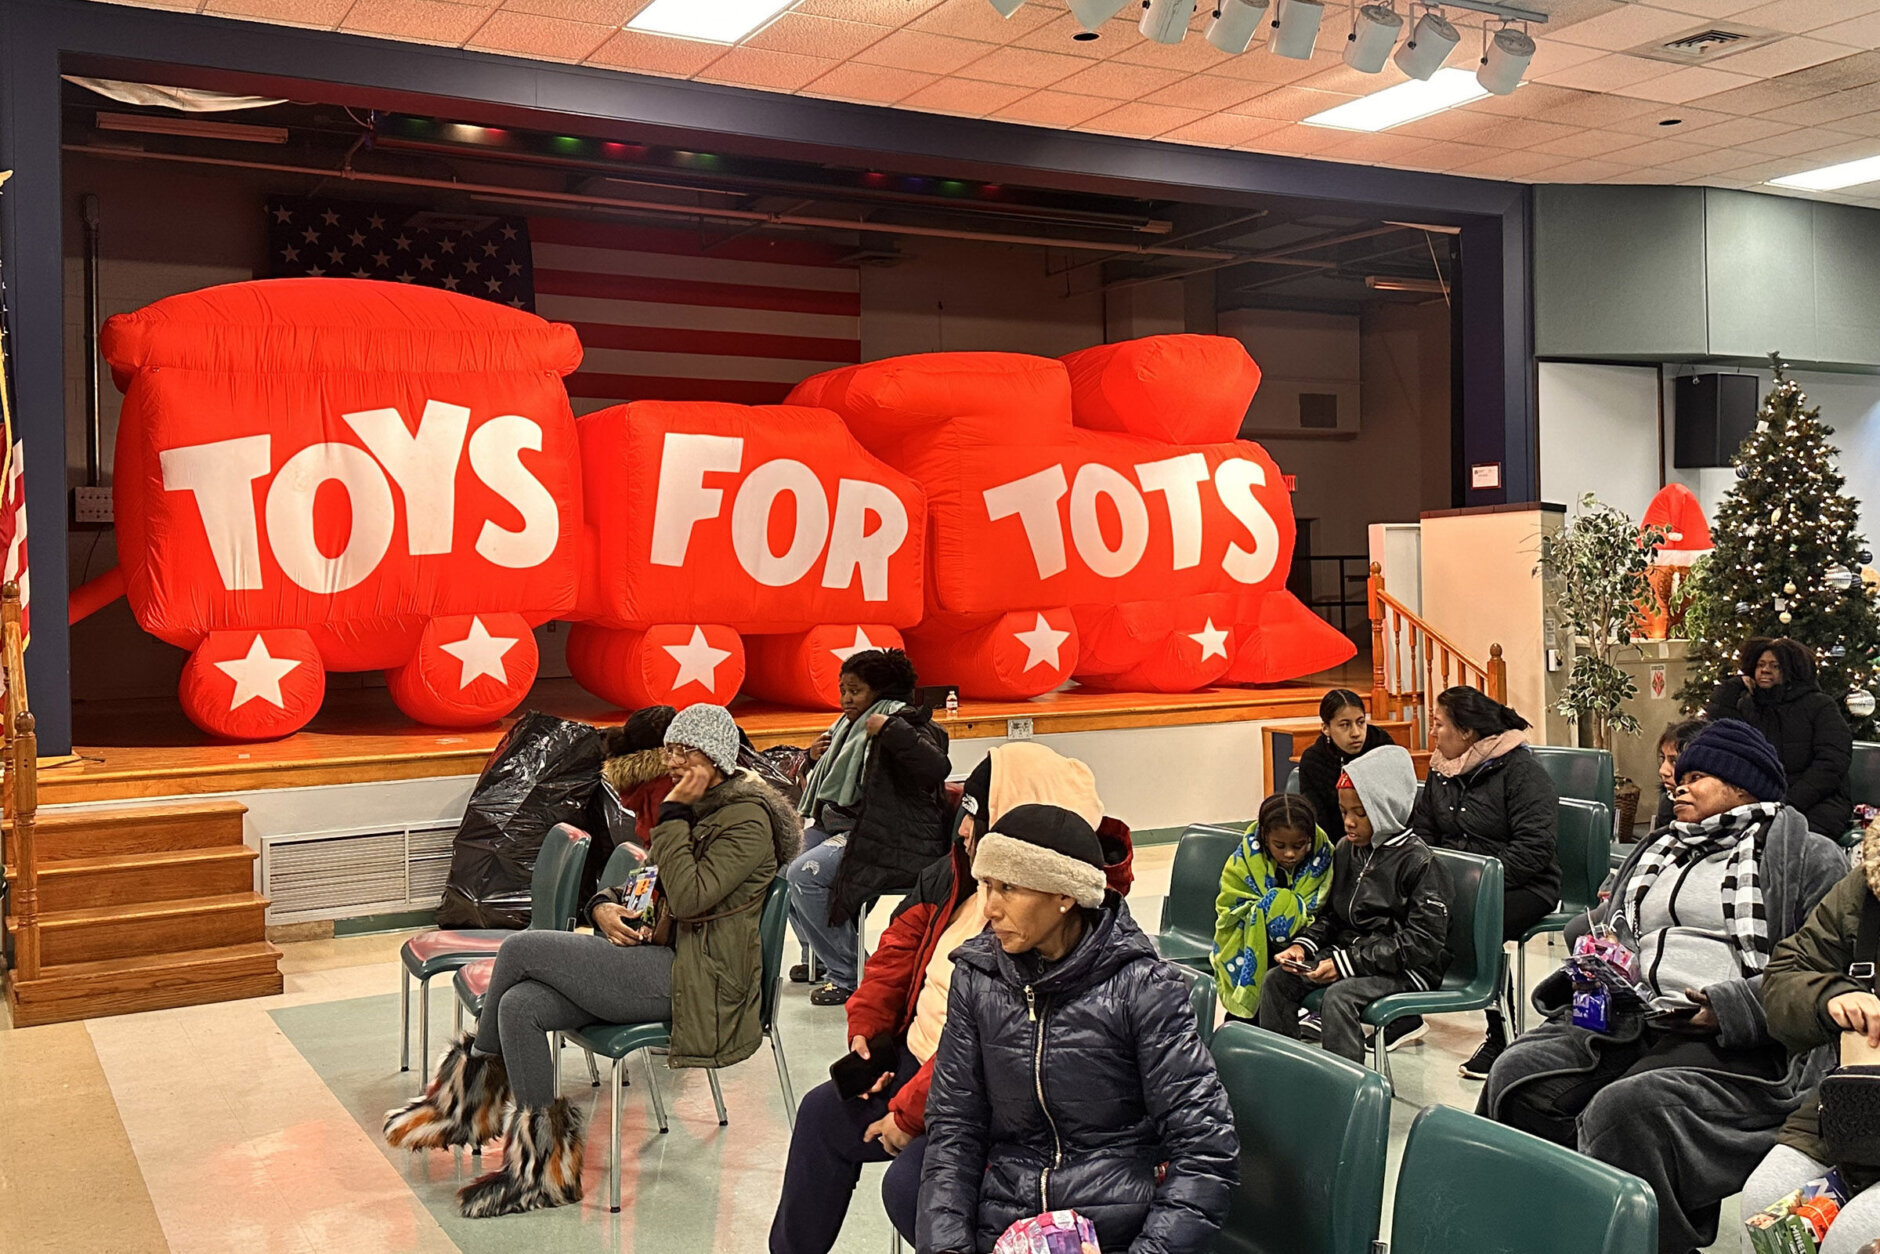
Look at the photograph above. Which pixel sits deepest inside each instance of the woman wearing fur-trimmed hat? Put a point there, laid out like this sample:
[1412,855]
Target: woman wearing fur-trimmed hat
[722,834]
[1071,1075]
[1691,1098]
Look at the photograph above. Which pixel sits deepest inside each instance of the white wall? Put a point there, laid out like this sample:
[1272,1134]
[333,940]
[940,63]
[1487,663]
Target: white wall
[1599,433]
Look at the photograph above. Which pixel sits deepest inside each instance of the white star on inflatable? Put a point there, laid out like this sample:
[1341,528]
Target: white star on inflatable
[481,653]
[1042,643]
[1213,643]
[862,645]
[698,660]
[257,675]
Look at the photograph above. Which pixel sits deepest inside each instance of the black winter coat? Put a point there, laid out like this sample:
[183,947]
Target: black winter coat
[1088,1089]
[901,816]
[1388,913]
[1319,768]
[1815,744]
[1506,808]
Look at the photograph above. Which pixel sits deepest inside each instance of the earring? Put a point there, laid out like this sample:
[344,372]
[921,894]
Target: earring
[1064,909]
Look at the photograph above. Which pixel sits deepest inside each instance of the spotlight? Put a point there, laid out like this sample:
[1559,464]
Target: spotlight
[1008,7]
[1091,14]
[1296,28]
[1506,61]
[1372,38]
[1430,43]
[1234,23]
[1166,21]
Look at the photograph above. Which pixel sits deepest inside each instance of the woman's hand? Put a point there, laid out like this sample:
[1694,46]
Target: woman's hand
[820,746]
[611,921]
[1858,1012]
[886,1130]
[691,785]
[859,1047]
[875,723]
[1705,1020]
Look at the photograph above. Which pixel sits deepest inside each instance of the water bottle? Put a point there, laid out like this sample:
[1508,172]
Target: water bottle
[953,703]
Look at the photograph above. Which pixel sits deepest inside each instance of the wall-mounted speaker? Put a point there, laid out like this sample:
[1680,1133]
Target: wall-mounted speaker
[1714,413]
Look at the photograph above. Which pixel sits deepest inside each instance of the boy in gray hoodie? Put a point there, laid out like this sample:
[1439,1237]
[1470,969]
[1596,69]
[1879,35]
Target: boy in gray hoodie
[1384,927]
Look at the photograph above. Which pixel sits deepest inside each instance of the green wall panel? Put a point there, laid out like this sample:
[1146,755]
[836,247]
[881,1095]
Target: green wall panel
[1619,272]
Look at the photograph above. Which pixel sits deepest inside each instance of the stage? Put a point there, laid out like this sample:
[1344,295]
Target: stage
[147,749]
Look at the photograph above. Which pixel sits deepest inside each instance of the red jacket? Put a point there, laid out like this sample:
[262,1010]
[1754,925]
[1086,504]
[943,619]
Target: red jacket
[891,982]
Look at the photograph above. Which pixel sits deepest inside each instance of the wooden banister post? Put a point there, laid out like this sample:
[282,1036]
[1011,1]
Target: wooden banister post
[1497,674]
[25,788]
[1379,693]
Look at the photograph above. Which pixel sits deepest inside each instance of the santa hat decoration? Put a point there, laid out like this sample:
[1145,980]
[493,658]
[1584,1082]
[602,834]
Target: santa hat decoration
[1687,531]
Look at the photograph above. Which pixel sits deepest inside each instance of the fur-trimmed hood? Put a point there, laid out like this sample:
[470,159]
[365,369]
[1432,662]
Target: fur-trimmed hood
[786,825]
[629,771]
[1870,856]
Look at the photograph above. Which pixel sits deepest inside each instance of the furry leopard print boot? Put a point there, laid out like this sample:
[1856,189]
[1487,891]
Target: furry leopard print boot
[462,1106]
[541,1164]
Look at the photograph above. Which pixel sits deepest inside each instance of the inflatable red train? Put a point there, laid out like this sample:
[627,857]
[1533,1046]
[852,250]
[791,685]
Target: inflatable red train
[320,475]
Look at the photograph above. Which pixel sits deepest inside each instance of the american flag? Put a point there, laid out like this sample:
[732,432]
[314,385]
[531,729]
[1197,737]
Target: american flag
[13,568]
[662,314]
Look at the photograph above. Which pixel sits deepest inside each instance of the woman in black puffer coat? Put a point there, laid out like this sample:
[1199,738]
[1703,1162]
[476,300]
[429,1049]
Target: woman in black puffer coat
[1071,1075]
[1782,701]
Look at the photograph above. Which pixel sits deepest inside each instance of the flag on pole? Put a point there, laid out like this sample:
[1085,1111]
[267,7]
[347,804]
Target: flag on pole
[13,568]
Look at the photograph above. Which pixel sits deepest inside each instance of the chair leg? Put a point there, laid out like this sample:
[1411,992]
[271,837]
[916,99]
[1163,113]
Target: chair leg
[424,1025]
[555,1046]
[613,1153]
[652,1087]
[718,1096]
[594,1071]
[783,1077]
[894,1240]
[456,1015]
[404,1017]
[1520,988]
[1383,1059]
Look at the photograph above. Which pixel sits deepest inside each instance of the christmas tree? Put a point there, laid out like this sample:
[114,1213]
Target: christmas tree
[1787,562]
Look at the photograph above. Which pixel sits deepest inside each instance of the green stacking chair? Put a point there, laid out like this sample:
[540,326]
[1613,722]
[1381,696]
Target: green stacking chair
[1201,996]
[616,1041]
[1473,980]
[1292,781]
[1314,1131]
[1582,774]
[1469,1184]
[1186,933]
[553,886]
[1863,784]
[1585,846]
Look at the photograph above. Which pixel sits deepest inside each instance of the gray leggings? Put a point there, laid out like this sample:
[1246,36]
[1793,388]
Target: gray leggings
[557,981]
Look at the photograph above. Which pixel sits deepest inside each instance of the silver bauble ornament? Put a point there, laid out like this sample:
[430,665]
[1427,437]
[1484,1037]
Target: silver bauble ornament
[1840,578]
[1860,703]
[1785,617]
[1789,588]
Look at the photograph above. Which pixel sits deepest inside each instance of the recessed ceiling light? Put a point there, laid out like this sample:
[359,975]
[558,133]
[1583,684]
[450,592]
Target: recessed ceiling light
[1672,122]
[1833,177]
[714,21]
[1406,102]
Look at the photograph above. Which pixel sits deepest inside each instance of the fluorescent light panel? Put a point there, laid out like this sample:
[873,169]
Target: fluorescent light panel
[1832,178]
[714,21]
[1406,102]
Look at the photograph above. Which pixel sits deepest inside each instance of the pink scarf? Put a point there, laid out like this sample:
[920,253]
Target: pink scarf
[1479,752]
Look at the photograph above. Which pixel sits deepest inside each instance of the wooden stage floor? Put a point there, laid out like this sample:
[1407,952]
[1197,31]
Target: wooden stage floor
[138,749]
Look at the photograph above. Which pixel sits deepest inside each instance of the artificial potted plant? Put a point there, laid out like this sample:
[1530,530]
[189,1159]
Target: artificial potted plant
[1602,562]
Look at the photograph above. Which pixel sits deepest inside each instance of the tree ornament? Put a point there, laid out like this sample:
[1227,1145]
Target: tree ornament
[1785,618]
[1860,703]
[1775,515]
[1781,603]
[1839,650]
[1838,577]
[1789,588]
[1742,607]
[1742,472]
[1864,557]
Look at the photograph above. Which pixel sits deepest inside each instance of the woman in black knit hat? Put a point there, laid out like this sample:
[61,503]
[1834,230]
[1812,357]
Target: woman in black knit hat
[1071,1075]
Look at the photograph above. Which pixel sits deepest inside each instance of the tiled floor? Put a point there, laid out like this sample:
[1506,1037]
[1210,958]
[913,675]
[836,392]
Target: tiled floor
[253,1127]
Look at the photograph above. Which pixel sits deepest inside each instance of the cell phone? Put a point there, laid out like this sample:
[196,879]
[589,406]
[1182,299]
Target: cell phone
[854,1075]
[1301,967]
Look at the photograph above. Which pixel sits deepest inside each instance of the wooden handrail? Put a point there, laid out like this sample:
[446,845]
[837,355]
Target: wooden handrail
[20,794]
[1402,642]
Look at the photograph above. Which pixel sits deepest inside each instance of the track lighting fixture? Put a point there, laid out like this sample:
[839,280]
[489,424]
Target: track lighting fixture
[1374,33]
[1505,61]
[1166,21]
[1008,7]
[1092,14]
[1431,41]
[1234,24]
[1296,28]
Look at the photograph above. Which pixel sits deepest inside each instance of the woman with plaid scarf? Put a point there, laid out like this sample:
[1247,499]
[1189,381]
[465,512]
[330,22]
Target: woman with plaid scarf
[1689,1095]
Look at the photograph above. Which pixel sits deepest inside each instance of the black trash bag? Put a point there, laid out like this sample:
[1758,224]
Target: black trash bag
[543,772]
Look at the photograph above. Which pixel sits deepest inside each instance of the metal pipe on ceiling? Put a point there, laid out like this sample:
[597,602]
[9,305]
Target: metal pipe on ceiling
[523,198]
[1177,239]
[1277,256]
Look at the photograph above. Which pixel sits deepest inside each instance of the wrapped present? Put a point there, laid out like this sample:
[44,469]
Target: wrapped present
[1054,1232]
[1798,1223]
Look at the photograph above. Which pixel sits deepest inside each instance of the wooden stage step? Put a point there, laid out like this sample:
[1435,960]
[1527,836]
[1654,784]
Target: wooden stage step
[144,908]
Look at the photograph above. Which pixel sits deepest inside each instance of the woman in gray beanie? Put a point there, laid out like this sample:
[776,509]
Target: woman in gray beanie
[722,834]
[1690,1097]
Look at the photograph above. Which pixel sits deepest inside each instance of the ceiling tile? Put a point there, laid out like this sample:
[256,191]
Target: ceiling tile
[1591,171]
[1119,81]
[1055,108]
[1628,27]
[1707,8]
[1607,73]
[964,98]
[1261,66]
[1689,83]
[874,12]
[1853,124]
[1653,151]
[1378,149]
[419,21]
[1059,35]
[764,70]
[1552,54]
[1296,141]
[1862,32]
[975,19]
[600,12]
[1783,57]
[546,38]
[1761,97]
[1828,108]
[1210,92]
[1193,54]
[816,36]
[1806,15]
[1023,67]
[320,14]
[1498,132]
[1652,125]
[1513,165]
[869,84]
[1584,144]
[654,54]
[1223,130]
[1347,81]
[917,50]
[1142,121]
[1736,131]
[1290,104]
